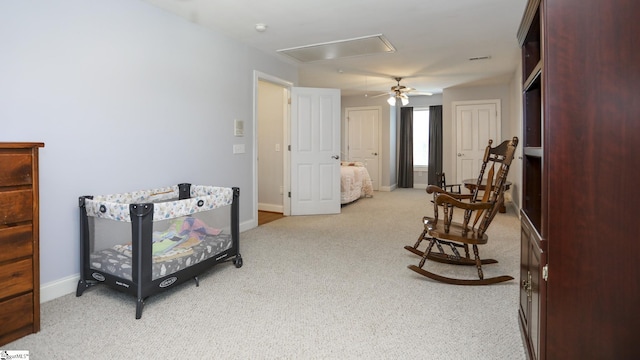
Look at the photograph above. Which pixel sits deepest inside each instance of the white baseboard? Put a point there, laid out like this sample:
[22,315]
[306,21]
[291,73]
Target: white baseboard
[271,207]
[514,207]
[387,188]
[68,285]
[57,288]
[420,186]
[507,196]
[247,225]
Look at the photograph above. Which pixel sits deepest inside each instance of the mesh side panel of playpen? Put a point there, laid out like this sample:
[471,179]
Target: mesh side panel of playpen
[184,232]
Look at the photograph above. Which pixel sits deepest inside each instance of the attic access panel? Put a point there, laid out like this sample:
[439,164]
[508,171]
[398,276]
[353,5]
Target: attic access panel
[366,45]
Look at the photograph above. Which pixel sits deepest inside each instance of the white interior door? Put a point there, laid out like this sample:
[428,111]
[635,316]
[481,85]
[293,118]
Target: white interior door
[476,123]
[364,140]
[315,151]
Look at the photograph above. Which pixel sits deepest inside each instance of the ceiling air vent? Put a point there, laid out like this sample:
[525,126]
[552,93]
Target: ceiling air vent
[366,45]
[479,58]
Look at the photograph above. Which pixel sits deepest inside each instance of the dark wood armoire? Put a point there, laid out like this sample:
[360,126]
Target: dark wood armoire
[580,273]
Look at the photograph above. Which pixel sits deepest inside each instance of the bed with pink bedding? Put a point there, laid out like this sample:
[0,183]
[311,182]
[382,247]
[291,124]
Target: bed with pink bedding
[355,182]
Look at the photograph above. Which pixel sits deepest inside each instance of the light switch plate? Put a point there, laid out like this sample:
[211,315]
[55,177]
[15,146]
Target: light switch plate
[238,127]
[238,148]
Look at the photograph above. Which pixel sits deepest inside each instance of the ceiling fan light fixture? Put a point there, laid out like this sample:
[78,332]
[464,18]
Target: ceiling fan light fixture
[404,99]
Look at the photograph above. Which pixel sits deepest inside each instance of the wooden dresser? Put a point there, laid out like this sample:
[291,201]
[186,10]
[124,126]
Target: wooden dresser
[19,230]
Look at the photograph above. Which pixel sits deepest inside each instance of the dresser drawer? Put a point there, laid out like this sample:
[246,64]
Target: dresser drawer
[16,169]
[16,277]
[15,313]
[16,206]
[16,242]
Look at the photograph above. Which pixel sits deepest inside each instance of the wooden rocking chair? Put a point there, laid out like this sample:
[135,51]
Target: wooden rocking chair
[480,212]
[452,188]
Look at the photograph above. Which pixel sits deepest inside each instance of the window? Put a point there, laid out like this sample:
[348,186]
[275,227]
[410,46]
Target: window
[420,139]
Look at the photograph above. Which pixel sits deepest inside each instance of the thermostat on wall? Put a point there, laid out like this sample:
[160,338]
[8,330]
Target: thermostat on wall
[238,127]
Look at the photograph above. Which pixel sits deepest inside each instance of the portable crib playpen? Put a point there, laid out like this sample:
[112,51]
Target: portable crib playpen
[149,241]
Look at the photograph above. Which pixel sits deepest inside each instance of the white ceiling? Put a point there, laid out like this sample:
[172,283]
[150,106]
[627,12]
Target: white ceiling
[434,39]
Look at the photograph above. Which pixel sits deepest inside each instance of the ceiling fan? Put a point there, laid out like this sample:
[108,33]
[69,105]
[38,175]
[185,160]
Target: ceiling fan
[400,92]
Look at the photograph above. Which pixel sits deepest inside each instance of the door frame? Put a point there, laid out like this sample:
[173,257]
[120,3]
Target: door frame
[346,135]
[287,85]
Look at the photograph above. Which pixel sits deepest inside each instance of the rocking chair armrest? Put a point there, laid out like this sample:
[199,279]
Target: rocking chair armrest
[454,188]
[438,190]
[450,200]
[434,189]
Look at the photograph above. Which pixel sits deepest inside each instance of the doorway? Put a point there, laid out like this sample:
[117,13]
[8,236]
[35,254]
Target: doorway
[271,139]
[310,125]
[265,217]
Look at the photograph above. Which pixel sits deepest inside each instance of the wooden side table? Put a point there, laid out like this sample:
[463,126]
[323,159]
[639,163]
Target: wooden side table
[471,184]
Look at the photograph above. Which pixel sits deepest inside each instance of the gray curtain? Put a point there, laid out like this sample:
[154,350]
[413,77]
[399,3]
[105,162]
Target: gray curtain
[435,143]
[405,153]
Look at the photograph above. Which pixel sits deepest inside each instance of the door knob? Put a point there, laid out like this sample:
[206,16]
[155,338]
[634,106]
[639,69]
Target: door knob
[376,154]
[335,157]
[459,154]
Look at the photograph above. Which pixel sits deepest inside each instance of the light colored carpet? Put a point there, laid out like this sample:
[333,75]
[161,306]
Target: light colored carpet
[312,287]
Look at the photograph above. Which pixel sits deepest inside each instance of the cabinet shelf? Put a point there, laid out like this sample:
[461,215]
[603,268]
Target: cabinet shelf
[533,151]
[529,36]
[532,189]
[534,77]
[532,106]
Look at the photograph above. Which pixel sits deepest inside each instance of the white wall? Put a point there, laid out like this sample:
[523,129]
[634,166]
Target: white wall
[448,118]
[271,146]
[125,97]
[515,173]
[394,141]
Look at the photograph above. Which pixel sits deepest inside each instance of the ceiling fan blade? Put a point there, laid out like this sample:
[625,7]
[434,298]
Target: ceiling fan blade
[400,91]
[379,95]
